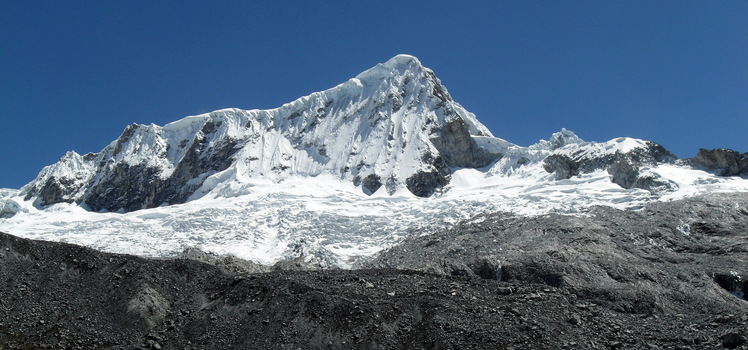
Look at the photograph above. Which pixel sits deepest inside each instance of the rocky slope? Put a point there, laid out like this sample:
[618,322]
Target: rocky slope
[669,276]
[725,162]
[664,258]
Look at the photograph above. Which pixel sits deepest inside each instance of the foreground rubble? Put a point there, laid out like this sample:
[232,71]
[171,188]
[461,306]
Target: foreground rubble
[665,277]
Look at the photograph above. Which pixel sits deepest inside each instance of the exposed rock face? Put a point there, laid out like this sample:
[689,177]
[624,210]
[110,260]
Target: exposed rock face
[60,183]
[8,208]
[628,162]
[372,183]
[126,187]
[458,148]
[655,184]
[137,187]
[56,191]
[425,183]
[624,167]
[111,180]
[562,165]
[624,173]
[724,162]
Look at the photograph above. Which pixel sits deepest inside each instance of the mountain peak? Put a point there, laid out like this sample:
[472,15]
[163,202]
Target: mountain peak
[396,65]
[403,62]
[393,128]
[396,71]
[563,138]
[402,58]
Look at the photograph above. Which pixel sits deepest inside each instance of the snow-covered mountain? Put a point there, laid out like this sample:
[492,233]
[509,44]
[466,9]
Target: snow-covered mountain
[392,126]
[337,175]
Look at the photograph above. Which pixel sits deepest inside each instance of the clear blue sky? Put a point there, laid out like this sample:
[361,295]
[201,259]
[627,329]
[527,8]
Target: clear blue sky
[73,74]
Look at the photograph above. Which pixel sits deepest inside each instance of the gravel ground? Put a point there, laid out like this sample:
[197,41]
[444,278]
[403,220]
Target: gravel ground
[665,277]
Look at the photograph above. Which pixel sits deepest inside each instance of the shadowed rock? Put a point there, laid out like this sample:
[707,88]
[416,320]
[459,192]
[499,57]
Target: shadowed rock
[724,162]
[456,145]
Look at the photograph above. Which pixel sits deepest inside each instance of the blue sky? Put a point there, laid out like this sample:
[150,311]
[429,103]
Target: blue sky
[74,74]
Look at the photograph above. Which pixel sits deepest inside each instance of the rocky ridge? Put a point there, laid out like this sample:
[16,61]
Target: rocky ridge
[724,162]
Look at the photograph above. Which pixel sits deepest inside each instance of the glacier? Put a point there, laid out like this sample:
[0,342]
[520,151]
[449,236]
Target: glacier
[333,177]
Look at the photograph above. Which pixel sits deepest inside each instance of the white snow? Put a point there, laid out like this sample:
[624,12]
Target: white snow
[377,123]
[334,220]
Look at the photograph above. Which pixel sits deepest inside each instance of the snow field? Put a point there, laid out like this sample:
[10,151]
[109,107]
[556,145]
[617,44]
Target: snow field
[331,221]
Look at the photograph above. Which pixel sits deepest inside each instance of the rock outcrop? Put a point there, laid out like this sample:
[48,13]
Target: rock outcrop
[624,165]
[8,208]
[458,148]
[562,165]
[724,162]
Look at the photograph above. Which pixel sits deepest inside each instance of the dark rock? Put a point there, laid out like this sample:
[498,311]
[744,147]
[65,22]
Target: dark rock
[504,290]
[218,307]
[199,162]
[55,190]
[439,90]
[138,187]
[732,340]
[620,260]
[456,145]
[391,185]
[127,134]
[488,268]
[371,183]
[425,183]
[654,185]
[562,165]
[624,173]
[9,208]
[624,167]
[125,187]
[724,162]
[732,283]
[574,320]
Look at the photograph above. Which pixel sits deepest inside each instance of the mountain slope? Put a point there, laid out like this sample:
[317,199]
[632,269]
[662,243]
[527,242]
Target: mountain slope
[560,244]
[336,176]
[393,125]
